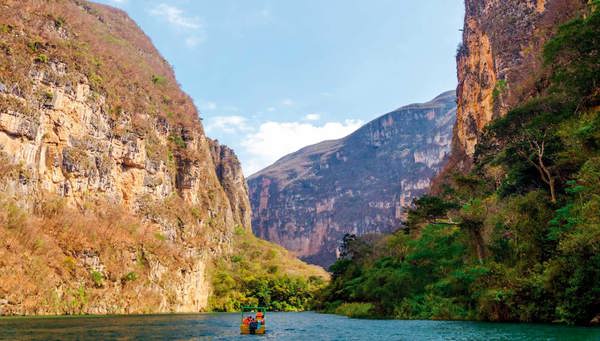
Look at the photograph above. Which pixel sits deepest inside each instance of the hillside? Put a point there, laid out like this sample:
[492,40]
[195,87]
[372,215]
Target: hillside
[513,232]
[359,184]
[112,198]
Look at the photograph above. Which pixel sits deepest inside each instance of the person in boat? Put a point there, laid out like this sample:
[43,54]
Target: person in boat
[246,320]
[253,326]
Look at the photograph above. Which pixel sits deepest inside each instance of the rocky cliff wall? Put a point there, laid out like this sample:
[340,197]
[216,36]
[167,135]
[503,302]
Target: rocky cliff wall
[92,116]
[229,172]
[498,62]
[360,184]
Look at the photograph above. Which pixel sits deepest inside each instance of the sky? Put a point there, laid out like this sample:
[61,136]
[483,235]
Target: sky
[272,76]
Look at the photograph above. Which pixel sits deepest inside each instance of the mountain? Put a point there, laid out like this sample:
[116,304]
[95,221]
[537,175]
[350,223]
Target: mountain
[112,199]
[360,184]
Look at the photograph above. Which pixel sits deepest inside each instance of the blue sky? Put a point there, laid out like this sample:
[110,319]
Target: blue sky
[271,76]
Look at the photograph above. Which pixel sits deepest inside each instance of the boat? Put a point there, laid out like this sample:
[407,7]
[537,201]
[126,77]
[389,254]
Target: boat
[253,320]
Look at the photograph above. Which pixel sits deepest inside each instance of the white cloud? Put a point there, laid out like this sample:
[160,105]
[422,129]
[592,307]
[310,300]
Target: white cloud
[190,25]
[273,140]
[271,109]
[287,102]
[228,124]
[312,117]
[207,106]
[176,16]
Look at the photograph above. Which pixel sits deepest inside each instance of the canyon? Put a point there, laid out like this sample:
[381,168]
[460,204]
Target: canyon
[308,200]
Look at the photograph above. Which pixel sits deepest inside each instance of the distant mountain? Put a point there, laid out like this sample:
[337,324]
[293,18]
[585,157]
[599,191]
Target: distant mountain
[308,200]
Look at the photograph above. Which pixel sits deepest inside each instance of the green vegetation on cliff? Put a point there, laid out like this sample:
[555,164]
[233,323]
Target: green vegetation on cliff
[516,239]
[261,273]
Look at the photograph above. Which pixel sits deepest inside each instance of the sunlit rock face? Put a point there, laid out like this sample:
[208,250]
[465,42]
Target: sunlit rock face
[498,62]
[127,138]
[360,184]
[229,172]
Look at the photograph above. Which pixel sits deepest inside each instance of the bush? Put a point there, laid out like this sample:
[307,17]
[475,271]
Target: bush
[129,277]
[159,80]
[499,89]
[355,310]
[97,278]
[41,58]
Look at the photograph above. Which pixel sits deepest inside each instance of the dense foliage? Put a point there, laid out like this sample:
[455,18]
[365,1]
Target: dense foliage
[263,274]
[516,239]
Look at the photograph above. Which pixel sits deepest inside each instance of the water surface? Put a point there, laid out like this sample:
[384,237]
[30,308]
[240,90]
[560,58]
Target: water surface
[280,326]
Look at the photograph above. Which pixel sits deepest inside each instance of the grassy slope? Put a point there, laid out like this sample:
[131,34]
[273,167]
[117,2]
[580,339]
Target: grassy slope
[260,272]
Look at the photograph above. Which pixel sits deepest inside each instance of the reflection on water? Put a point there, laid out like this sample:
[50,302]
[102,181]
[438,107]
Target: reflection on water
[281,326]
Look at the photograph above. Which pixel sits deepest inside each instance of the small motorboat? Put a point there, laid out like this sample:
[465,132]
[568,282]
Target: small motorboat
[253,320]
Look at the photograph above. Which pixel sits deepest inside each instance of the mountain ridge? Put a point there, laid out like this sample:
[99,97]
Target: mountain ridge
[290,185]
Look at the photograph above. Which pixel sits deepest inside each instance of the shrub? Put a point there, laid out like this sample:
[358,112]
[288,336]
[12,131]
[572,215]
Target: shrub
[499,89]
[59,22]
[95,81]
[159,80]
[41,58]
[129,277]
[97,278]
[355,310]
[5,28]
[160,236]
[178,141]
[34,46]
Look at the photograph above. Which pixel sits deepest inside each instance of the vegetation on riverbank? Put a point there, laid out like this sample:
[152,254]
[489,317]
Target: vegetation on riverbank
[261,273]
[516,239]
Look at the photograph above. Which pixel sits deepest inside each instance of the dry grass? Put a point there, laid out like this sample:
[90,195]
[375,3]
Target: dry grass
[265,256]
[42,258]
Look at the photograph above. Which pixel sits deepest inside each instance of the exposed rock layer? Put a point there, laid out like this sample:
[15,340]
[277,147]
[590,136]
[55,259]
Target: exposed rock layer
[360,184]
[499,62]
[229,172]
[126,136]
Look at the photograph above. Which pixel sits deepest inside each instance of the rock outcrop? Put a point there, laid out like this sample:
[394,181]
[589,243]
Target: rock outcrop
[498,62]
[229,172]
[360,184]
[91,117]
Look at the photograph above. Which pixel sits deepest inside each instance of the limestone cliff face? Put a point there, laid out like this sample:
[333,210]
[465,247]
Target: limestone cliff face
[498,61]
[91,113]
[229,172]
[360,184]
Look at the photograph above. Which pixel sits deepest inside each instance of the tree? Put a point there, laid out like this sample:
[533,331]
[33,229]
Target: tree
[533,148]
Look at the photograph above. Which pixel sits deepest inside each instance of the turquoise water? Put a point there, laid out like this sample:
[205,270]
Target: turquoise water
[281,326]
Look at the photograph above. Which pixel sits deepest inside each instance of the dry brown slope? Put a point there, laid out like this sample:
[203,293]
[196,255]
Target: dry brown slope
[113,199]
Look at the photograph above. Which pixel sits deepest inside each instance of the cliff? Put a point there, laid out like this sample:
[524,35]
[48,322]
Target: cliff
[360,184]
[112,199]
[229,172]
[499,63]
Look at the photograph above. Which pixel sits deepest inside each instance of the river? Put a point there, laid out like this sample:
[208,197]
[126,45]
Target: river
[281,326]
